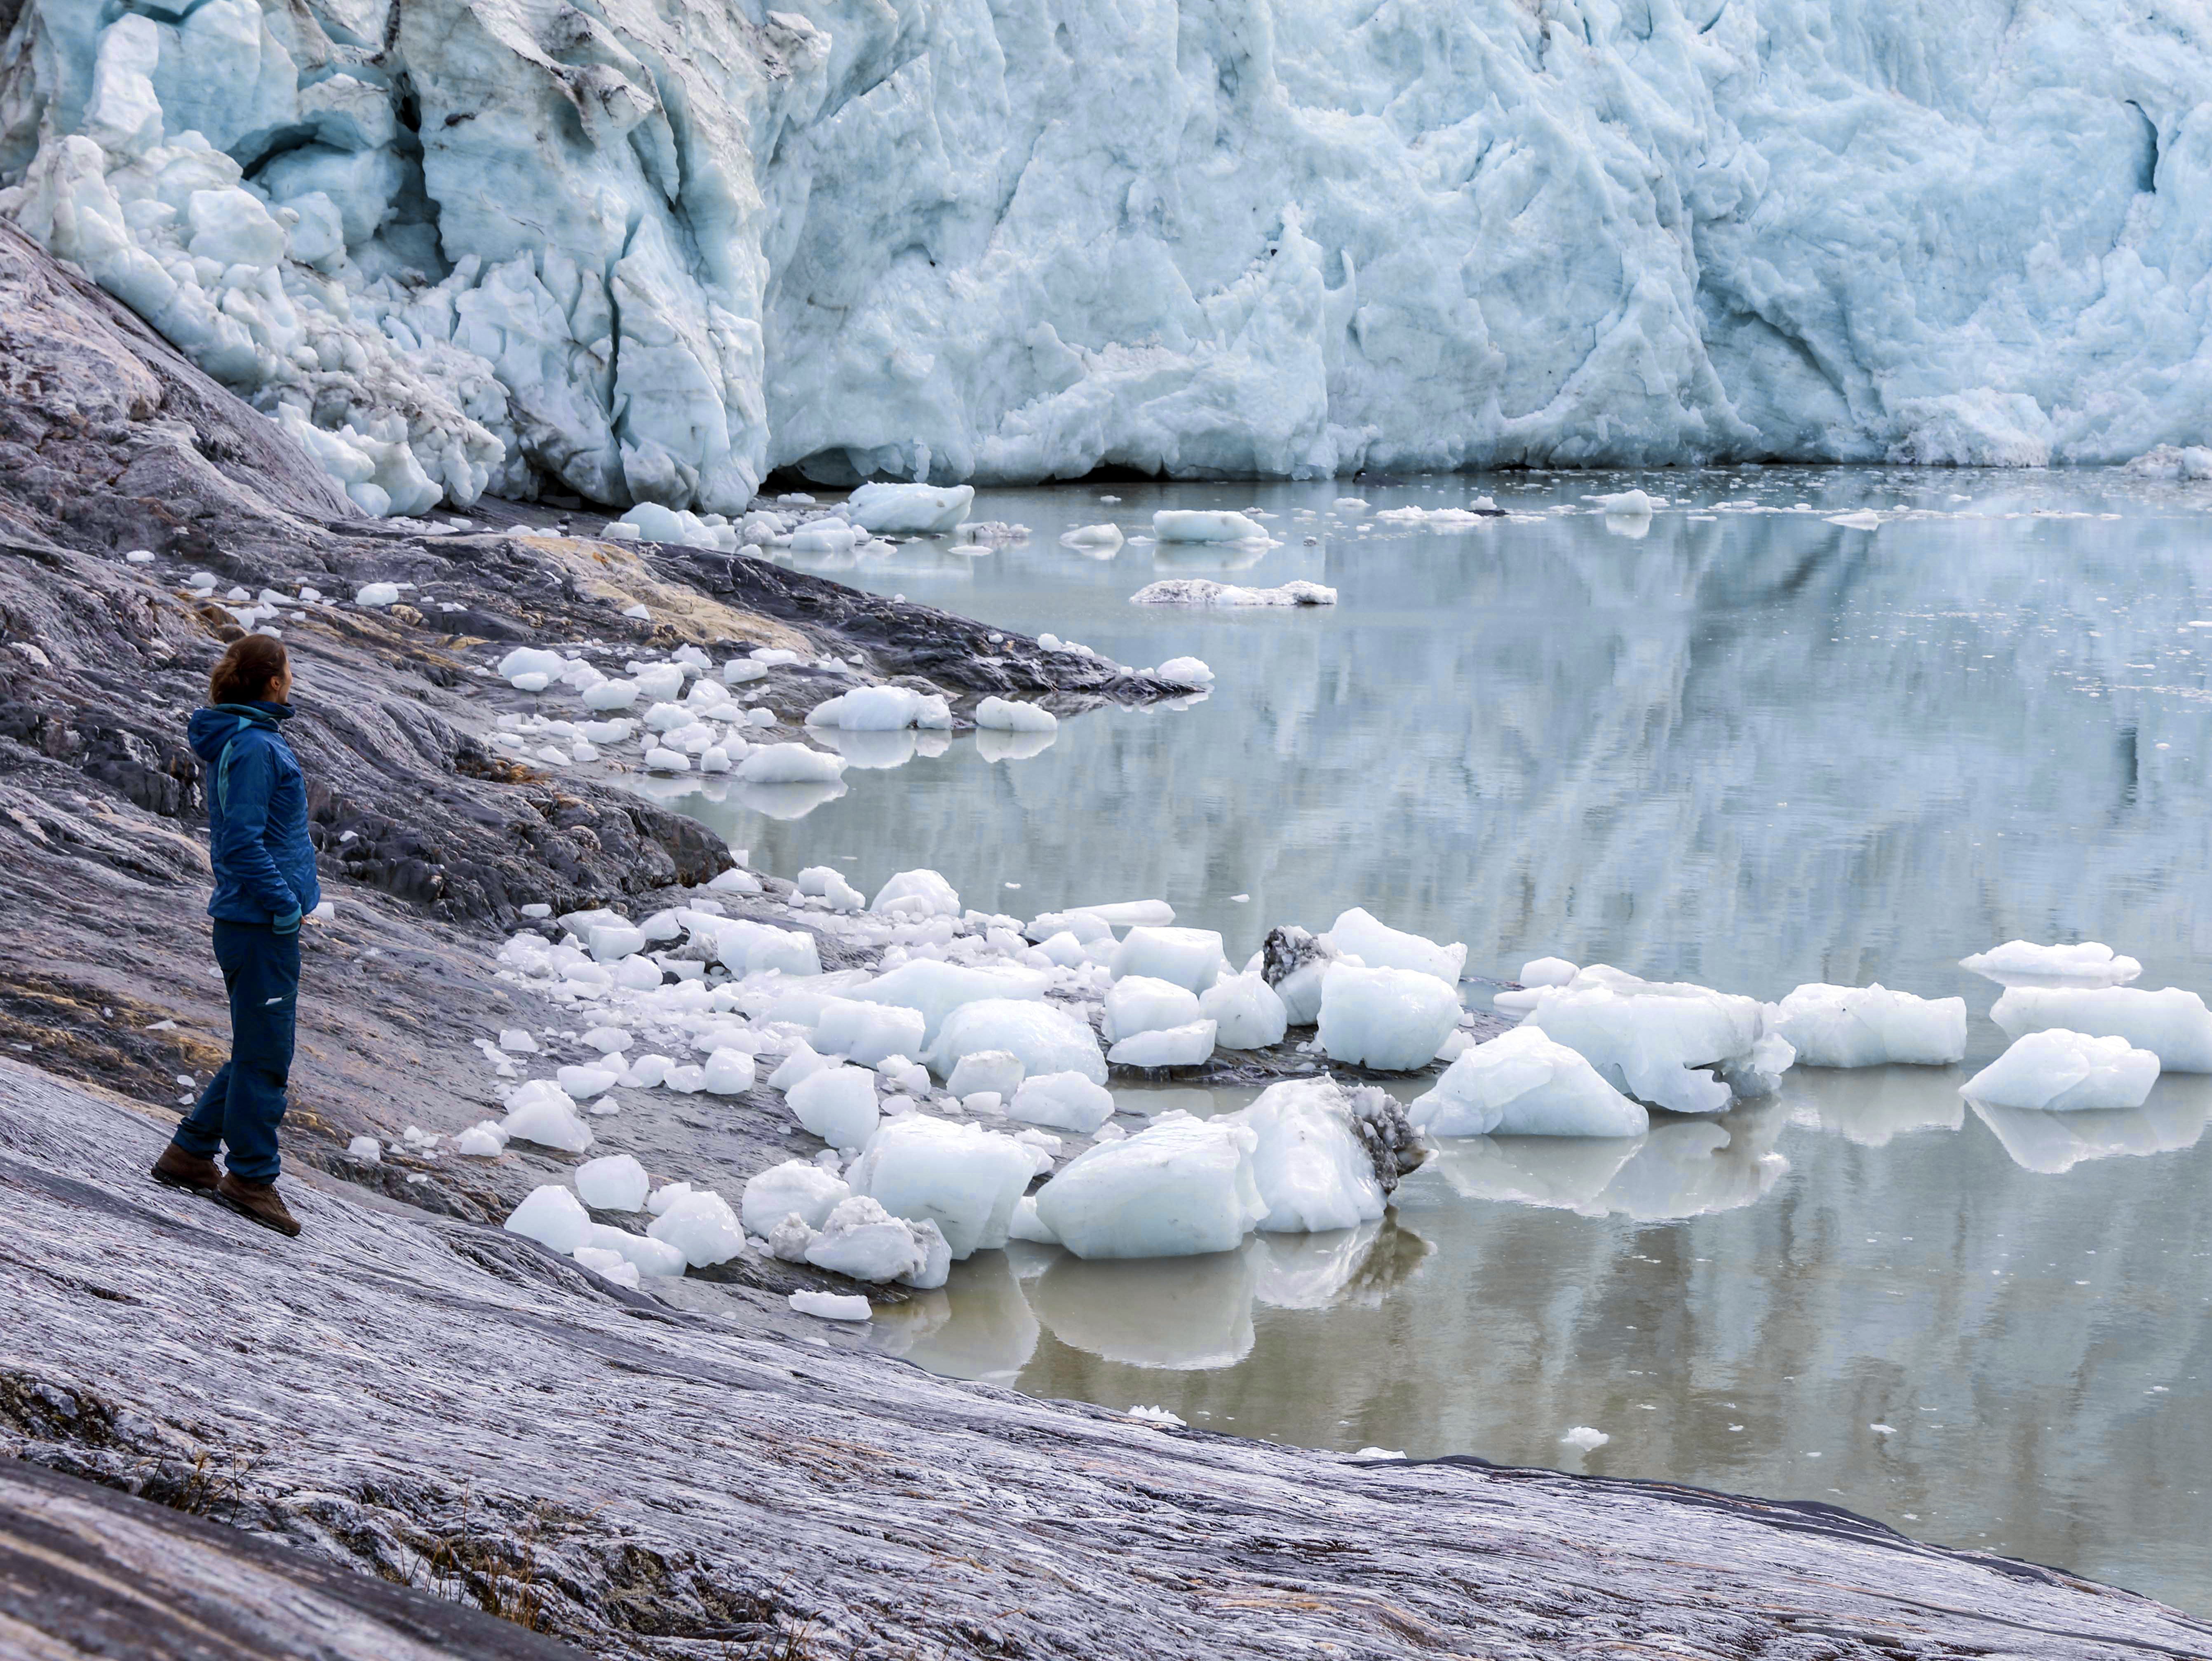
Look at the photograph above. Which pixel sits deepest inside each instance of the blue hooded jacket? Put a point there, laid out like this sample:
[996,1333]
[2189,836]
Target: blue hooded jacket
[264,865]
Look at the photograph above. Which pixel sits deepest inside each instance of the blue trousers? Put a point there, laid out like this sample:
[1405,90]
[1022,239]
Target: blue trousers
[244,1105]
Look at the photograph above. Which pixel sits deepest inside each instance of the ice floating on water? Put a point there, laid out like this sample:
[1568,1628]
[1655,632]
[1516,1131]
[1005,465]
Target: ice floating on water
[1625,505]
[1588,1437]
[790,764]
[823,536]
[880,709]
[1189,958]
[1185,672]
[1201,591]
[1180,1187]
[1523,1084]
[1391,1020]
[909,510]
[1869,1027]
[2174,1025]
[1660,1041]
[1313,1171]
[961,1177]
[2090,964]
[2059,1071]
[830,1305]
[1012,715]
[616,1183]
[552,1216]
[1093,536]
[1184,524]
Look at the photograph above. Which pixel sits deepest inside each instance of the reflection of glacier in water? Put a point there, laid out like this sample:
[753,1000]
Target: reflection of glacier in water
[1750,747]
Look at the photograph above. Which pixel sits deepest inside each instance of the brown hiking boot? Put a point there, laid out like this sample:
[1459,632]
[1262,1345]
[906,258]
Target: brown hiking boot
[258,1201]
[177,1168]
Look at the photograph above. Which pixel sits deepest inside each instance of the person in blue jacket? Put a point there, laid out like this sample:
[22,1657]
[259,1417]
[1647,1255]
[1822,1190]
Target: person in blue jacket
[265,884]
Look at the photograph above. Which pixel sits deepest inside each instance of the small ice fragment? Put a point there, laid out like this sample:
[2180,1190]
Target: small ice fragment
[1158,1415]
[1585,1437]
[1380,1453]
[367,1150]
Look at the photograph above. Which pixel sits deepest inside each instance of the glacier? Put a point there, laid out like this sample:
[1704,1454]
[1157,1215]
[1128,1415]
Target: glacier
[650,250]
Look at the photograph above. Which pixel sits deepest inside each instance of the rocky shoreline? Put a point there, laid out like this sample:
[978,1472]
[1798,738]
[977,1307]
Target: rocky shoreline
[674,1481]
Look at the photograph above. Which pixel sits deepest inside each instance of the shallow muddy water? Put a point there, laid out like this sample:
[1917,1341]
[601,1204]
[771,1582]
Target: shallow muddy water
[1749,747]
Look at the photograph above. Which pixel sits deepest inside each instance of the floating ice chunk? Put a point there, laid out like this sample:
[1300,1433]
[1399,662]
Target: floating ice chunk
[701,1225]
[368,1149]
[1522,1083]
[837,1104]
[917,895]
[2090,964]
[796,1186]
[1588,1437]
[790,764]
[616,1183]
[2061,1071]
[1180,1187]
[1189,958]
[830,1307]
[1093,536]
[1200,591]
[582,1083]
[552,1216]
[1012,715]
[1391,1020]
[1188,1046]
[860,1239]
[879,709]
[1656,1040]
[728,1073]
[1065,1101]
[997,1072]
[1869,1027]
[1043,1038]
[542,1111]
[909,510]
[1185,672]
[2172,1024]
[935,990]
[1313,1171]
[1184,524]
[961,1177]
[1381,947]
[1142,1004]
[1625,505]
[1541,971]
[823,536]
[869,1033]
[1246,1011]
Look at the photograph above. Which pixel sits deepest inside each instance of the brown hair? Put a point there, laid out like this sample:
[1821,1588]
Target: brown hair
[248,670]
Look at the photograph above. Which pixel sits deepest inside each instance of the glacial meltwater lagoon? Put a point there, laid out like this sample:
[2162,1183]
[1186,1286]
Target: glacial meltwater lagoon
[1739,744]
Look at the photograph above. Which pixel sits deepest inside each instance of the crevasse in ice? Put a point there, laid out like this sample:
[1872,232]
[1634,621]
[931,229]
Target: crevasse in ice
[649,250]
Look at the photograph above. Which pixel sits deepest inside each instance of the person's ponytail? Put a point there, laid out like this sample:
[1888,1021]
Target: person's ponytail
[247,671]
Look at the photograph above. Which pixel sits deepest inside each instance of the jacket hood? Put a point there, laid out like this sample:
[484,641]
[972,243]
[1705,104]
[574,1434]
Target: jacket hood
[215,725]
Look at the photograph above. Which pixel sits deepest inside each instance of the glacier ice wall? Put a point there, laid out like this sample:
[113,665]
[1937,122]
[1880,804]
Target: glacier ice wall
[648,250]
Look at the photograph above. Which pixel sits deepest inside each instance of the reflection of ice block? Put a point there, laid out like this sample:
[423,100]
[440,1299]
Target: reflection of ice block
[1869,1027]
[2058,1071]
[1565,1173]
[873,751]
[2174,1025]
[787,800]
[1309,1271]
[995,745]
[1684,1170]
[2020,963]
[1873,1104]
[978,1327]
[2052,1143]
[1184,1314]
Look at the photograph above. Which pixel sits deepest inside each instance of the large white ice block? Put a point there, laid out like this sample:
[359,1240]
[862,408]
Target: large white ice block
[935,990]
[1188,1046]
[909,510]
[2060,1071]
[1246,1010]
[1391,1020]
[1139,1003]
[1189,958]
[1522,1083]
[1381,947]
[701,1225]
[1189,524]
[797,1185]
[1659,1041]
[1062,1101]
[2021,962]
[838,1104]
[1179,1187]
[917,895]
[2174,1025]
[1869,1027]
[961,1177]
[861,1239]
[1312,1170]
[866,1032]
[1044,1037]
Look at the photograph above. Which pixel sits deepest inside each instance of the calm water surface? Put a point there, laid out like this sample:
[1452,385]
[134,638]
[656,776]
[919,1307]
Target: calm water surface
[1749,747]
